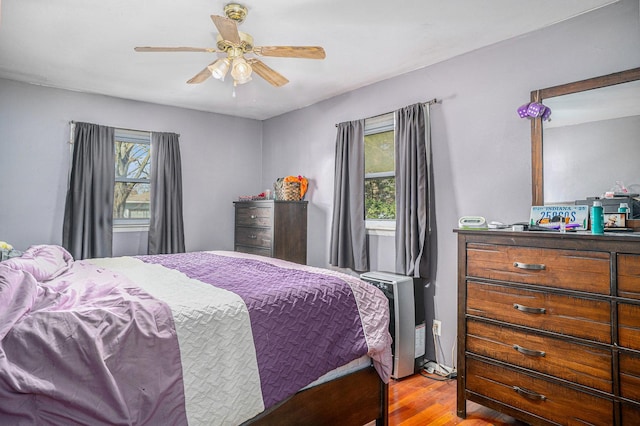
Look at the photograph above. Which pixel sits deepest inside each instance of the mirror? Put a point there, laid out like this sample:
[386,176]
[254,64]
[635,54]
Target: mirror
[591,141]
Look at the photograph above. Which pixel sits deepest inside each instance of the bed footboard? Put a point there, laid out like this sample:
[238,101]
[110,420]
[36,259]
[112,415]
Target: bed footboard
[355,399]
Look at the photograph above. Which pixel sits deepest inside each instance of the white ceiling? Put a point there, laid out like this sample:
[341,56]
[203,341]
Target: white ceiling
[87,45]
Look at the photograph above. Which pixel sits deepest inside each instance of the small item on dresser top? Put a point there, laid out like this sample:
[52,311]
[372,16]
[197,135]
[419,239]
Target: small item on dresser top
[597,218]
[562,224]
[619,230]
[541,228]
[614,220]
[472,222]
[575,217]
[498,225]
[624,208]
[290,188]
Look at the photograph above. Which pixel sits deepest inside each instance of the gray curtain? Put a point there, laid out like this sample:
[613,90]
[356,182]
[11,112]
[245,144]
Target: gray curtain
[413,176]
[348,234]
[166,228]
[87,230]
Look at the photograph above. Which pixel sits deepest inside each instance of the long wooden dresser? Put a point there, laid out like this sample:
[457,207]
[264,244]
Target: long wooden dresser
[549,326]
[272,228]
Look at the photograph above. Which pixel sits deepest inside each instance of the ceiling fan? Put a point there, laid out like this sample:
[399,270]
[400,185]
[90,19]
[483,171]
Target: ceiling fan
[236,44]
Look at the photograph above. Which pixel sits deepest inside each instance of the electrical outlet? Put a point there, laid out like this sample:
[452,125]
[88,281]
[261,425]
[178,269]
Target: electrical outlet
[437,327]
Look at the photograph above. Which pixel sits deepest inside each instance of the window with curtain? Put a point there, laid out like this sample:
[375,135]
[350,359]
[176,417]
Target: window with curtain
[369,160]
[123,177]
[379,168]
[132,188]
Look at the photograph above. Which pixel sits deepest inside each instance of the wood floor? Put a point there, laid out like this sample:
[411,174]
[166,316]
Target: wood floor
[420,401]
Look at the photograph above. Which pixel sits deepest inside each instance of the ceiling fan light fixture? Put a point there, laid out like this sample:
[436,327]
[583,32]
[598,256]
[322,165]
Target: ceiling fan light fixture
[234,44]
[220,68]
[241,71]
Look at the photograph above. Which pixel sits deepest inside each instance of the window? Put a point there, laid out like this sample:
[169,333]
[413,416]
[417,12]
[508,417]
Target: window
[133,172]
[379,169]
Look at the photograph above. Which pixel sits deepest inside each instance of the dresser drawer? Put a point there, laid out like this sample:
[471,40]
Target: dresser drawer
[254,250]
[569,315]
[587,365]
[629,325]
[630,376]
[253,216]
[534,395]
[575,270]
[629,276]
[254,236]
[630,415]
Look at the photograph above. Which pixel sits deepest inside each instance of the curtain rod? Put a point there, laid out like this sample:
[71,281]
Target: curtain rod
[431,102]
[121,128]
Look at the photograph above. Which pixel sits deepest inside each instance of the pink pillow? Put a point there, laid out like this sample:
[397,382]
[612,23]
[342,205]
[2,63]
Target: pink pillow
[44,262]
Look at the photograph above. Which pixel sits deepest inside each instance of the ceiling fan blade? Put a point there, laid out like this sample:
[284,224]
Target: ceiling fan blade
[174,49]
[307,52]
[202,75]
[272,76]
[228,28]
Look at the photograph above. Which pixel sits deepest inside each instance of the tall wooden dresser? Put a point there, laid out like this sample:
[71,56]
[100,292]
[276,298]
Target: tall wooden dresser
[549,326]
[272,228]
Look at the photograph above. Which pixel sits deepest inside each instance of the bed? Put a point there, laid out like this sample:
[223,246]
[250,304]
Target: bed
[194,338]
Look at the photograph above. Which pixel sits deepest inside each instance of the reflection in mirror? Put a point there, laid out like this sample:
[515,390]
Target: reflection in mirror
[592,143]
[578,150]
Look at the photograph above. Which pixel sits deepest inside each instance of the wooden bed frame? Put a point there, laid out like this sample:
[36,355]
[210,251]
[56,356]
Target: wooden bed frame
[354,400]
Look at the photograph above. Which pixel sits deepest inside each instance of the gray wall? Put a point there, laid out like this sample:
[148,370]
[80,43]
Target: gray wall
[481,148]
[221,158]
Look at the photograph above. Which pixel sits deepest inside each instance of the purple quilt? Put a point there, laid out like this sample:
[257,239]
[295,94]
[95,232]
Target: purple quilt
[304,324]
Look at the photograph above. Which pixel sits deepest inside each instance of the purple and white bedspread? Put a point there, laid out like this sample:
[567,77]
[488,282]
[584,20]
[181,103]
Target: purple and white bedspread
[196,338]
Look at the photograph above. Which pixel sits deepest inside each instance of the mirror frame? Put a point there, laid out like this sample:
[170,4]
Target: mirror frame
[537,170]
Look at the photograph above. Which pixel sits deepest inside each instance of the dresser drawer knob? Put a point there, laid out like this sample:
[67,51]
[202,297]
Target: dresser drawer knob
[529,266]
[253,237]
[528,309]
[253,216]
[529,394]
[530,352]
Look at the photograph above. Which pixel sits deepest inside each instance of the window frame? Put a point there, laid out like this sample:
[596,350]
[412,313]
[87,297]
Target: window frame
[137,137]
[380,124]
